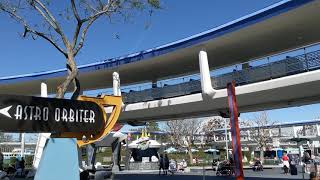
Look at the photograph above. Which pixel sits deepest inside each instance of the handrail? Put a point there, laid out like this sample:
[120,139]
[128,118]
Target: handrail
[288,66]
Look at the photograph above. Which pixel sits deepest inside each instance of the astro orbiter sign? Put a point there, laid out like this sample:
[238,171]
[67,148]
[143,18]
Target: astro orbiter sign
[36,114]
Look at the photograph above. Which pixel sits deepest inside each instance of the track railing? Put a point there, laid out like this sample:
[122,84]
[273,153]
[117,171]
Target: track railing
[288,66]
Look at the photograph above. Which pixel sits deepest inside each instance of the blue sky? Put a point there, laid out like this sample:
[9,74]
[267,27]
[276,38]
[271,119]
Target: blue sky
[177,19]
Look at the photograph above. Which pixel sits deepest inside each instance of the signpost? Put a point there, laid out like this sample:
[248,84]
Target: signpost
[36,114]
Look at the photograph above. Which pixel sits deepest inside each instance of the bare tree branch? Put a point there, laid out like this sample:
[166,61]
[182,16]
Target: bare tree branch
[75,12]
[89,6]
[91,20]
[50,19]
[97,8]
[182,133]
[83,36]
[79,24]
[105,9]
[28,29]
[261,133]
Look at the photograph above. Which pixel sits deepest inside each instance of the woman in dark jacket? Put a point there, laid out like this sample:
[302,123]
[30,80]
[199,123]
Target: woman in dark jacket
[166,164]
[161,164]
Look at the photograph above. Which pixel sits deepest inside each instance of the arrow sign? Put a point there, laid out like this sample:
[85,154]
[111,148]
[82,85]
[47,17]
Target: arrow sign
[37,114]
[4,111]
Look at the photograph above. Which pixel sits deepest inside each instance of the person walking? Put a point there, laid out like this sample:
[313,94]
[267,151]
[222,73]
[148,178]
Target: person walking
[285,161]
[306,157]
[1,161]
[22,164]
[166,164]
[161,164]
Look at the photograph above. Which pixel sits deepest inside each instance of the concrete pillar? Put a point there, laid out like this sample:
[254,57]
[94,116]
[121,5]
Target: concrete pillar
[116,147]
[279,132]
[295,131]
[22,144]
[205,77]
[248,134]
[42,137]
[318,130]
[116,84]
[44,90]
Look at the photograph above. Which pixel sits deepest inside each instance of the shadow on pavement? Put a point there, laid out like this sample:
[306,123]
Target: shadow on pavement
[182,177]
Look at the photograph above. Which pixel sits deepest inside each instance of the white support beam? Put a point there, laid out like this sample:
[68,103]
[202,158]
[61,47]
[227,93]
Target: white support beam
[116,84]
[206,84]
[22,144]
[42,137]
[318,130]
[248,134]
[295,131]
[270,132]
[44,90]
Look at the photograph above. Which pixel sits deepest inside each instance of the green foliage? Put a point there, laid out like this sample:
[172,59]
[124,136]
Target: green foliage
[137,4]
[204,159]
[100,155]
[28,161]
[140,5]
[12,160]
[154,3]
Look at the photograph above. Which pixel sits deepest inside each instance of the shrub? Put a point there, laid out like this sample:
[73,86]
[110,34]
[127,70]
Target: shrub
[12,161]
[28,161]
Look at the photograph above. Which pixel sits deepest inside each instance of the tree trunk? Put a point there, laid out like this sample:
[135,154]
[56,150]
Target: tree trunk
[190,154]
[72,74]
[261,155]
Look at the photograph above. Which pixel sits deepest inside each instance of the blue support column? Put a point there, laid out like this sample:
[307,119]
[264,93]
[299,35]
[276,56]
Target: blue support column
[59,160]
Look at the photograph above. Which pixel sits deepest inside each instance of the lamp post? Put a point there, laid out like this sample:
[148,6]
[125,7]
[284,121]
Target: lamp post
[226,137]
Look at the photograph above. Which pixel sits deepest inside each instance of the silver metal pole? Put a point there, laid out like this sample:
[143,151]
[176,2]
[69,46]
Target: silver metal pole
[226,134]
[22,144]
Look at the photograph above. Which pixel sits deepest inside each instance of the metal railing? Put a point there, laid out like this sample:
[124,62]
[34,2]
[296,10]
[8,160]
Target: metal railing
[288,66]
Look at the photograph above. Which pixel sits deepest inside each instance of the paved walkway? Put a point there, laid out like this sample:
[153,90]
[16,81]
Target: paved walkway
[199,174]
[274,173]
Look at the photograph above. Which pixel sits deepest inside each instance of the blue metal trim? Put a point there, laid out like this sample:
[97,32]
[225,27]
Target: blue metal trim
[256,17]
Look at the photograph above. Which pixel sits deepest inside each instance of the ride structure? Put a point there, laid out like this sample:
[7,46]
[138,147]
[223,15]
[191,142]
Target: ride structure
[72,124]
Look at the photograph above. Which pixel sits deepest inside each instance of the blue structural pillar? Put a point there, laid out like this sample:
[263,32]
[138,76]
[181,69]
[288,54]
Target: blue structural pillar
[59,160]
[235,132]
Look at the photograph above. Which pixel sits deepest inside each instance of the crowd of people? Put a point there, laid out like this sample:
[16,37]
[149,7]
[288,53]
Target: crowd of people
[290,162]
[17,169]
[171,166]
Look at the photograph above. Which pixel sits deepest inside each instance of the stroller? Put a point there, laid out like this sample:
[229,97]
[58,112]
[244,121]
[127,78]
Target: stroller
[214,164]
[257,166]
[225,168]
[172,167]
